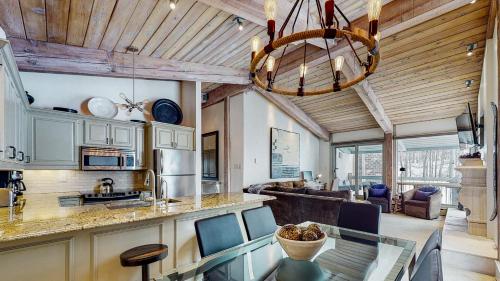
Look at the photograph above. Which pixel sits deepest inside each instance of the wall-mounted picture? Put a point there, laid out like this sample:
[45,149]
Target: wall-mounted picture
[285,154]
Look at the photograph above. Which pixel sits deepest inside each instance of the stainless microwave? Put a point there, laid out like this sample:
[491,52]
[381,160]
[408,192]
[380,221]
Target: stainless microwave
[107,159]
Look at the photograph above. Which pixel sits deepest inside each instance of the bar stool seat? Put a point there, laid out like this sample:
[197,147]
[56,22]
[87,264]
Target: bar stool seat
[143,256]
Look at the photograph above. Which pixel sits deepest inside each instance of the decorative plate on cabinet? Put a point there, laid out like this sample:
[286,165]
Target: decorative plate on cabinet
[102,107]
[167,111]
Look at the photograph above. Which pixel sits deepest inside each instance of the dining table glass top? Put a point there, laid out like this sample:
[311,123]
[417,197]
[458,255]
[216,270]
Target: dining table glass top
[346,255]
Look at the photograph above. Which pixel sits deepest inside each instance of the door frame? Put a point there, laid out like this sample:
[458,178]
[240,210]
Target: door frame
[333,161]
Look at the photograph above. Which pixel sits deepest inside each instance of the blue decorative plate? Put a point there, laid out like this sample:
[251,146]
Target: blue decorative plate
[167,111]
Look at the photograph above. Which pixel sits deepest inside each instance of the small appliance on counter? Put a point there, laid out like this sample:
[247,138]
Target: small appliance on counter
[11,187]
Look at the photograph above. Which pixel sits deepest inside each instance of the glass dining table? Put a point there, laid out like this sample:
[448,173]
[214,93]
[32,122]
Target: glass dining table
[346,255]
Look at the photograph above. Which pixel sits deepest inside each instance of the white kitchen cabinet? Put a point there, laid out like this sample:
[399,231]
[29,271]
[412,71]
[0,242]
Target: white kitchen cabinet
[13,112]
[171,136]
[139,148]
[105,133]
[54,140]
[122,135]
[164,137]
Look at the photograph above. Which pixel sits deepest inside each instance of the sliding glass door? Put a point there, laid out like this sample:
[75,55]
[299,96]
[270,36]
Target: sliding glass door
[358,166]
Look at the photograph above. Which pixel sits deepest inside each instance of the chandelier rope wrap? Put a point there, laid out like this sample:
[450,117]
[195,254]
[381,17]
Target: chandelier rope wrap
[368,38]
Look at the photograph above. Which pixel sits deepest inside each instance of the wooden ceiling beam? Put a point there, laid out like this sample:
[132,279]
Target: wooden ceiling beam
[283,103]
[350,70]
[39,56]
[491,19]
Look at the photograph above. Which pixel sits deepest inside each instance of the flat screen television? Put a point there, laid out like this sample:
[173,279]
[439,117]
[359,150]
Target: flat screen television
[467,128]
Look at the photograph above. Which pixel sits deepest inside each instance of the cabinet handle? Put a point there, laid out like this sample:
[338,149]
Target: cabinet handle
[13,155]
[107,140]
[22,156]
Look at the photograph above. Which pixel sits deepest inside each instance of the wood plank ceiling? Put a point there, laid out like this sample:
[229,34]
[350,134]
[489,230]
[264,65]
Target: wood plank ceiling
[421,75]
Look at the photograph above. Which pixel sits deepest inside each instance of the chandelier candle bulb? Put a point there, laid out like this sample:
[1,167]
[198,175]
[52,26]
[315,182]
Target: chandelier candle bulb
[329,12]
[303,70]
[255,44]
[339,63]
[374,9]
[270,11]
[270,67]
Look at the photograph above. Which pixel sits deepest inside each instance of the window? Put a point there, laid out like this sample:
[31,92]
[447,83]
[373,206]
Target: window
[429,161]
[358,166]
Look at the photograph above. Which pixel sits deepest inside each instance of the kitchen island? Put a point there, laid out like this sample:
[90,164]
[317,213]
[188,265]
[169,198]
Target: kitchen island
[84,242]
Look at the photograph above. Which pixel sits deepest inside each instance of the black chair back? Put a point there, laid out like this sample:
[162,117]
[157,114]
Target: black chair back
[433,242]
[259,222]
[218,233]
[430,269]
[360,216]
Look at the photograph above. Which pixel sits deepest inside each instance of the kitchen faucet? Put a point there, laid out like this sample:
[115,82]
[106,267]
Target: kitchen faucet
[151,183]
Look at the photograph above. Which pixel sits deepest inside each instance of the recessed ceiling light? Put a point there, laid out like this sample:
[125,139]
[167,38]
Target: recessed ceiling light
[468,83]
[473,1]
[470,49]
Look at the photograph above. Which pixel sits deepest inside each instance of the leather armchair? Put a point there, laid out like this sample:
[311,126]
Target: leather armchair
[385,201]
[428,209]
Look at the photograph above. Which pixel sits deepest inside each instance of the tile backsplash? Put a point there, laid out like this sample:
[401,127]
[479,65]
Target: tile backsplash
[44,181]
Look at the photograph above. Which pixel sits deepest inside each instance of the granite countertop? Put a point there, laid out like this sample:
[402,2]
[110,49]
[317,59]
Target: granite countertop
[42,214]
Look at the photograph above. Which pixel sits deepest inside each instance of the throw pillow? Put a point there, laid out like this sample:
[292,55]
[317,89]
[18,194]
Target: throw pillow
[376,192]
[422,195]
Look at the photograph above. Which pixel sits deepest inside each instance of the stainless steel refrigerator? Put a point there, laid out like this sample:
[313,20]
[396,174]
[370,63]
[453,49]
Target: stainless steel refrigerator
[175,172]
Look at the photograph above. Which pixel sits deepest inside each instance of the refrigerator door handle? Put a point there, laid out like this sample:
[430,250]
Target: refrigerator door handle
[163,189]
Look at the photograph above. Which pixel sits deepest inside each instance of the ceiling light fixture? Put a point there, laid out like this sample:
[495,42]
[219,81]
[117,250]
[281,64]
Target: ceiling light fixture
[173,4]
[130,104]
[468,83]
[329,29]
[239,21]
[470,49]
[473,1]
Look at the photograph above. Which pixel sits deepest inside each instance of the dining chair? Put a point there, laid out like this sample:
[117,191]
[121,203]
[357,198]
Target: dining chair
[433,242]
[431,268]
[218,233]
[259,222]
[360,216]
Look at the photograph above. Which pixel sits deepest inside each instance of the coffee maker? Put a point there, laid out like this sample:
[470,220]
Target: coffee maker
[11,187]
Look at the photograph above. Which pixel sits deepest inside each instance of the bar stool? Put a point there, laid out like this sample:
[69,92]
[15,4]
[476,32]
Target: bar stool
[143,256]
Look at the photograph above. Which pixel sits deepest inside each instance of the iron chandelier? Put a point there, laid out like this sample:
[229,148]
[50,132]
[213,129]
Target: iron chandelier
[330,28]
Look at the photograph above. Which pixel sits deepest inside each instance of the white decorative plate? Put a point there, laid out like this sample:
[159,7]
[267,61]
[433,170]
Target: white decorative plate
[102,107]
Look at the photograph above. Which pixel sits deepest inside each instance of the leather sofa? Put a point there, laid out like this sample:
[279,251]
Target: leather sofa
[301,204]
[429,208]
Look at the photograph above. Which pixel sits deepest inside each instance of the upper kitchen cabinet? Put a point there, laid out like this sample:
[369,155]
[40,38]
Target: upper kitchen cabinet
[170,136]
[106,133]
[54,140]
[13,112]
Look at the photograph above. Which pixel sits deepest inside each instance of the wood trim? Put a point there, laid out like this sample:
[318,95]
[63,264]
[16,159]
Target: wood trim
[388,160]
[491,19]
[227,176]
[221,93]
[39,56]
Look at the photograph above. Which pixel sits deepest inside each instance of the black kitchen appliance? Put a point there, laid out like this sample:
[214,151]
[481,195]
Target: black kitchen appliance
[16,182]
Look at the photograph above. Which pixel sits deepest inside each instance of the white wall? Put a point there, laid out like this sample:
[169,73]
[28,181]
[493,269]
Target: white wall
[213,120]
[488,93]
[237,143]
[73,91]
[360,135]
[259,117]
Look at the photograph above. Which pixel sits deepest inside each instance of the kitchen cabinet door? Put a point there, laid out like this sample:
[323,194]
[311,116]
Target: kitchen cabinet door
[184,139]
[96,133]
[139,148]
[54,141]
[10,122]
[164,137]
[122,136]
